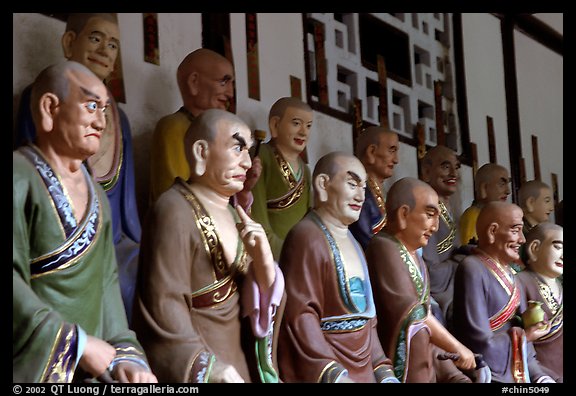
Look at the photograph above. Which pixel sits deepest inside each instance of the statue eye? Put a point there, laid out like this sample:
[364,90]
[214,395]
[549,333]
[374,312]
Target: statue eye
[92,106]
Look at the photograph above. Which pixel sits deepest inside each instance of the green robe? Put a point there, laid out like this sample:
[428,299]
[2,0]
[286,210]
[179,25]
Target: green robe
[64,277]
[278,205]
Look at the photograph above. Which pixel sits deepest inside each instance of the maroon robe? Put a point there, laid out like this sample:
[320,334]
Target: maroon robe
[323,332]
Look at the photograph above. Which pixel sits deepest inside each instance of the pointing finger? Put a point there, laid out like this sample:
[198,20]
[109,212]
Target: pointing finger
[244,218]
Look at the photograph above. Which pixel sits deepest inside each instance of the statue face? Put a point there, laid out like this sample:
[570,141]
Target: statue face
[509,236]
[345,191]
[498,189]
[549,255]
[97,46]
[228,158]
[386,155]
[543,206]
[215,85]
[444,173]
[292,130]
[79,120]
[422,221]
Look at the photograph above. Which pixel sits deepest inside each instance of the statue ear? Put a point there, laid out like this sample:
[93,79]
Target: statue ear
[371,154]
[192,83]
[200,152]
[273,125]
[530,204]
[532,250]
[492,232]
[321,186]
[483,194]
[402,216]
[48,106]
[426,173]
[67,41]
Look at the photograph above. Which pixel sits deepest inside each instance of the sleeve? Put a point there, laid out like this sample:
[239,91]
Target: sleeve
[44,346]
[472,319]
[261,307]
[303,352]
[130,216]
[383,371]
[114,322]
[400,312]
[176,349]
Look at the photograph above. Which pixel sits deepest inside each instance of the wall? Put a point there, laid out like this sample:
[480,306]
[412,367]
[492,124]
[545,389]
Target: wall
[151,90]
[541,105]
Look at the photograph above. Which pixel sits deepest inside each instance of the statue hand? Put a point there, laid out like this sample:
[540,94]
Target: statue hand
[128,372]
[224,373]
[97,356]
[537,330]
[256,242]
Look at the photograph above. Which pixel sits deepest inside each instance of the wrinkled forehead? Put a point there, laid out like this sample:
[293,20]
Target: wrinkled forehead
[88,84]
[351,166]
[228,129]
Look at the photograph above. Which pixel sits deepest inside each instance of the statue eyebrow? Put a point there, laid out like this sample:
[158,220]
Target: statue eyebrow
[354,176]
[240,139]
[92,95]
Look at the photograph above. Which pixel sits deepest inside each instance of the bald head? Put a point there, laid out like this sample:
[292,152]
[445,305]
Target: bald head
[77,21]
[540,231]
[530,189]
[55,79]
[492,183]
[498,218]
[328,164]
[206,127]
[198,61]
[403,192]
[412,211]
[279,107]
[371,136]
[441,169]
[436,155]
[206,81]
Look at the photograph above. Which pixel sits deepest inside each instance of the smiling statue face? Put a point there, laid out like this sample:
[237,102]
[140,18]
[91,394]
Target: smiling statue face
[96,46]
[443,173]
[292,130]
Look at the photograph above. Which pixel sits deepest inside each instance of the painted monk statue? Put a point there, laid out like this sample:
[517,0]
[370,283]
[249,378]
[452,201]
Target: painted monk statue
[544,250]
[488,299]
[68,320]
[206,81]
[94,41]
[491,183]
[328,333]
[409,332]
[377,148]
[282,193]
[207,269]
